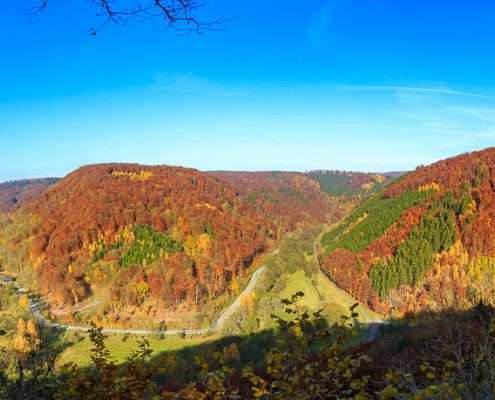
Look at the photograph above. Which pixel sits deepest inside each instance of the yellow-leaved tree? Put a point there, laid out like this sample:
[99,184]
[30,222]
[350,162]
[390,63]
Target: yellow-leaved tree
[26,338]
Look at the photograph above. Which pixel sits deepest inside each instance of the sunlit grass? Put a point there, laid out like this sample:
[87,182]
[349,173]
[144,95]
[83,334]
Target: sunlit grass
[78,348]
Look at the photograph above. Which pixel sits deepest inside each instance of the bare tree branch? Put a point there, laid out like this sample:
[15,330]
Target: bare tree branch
[36,9]
[178,14]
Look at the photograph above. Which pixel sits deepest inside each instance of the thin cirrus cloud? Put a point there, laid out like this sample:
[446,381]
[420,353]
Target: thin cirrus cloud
[194,84]
[482,113]
[414,89]
[190,83]
[441,116]
[437,114]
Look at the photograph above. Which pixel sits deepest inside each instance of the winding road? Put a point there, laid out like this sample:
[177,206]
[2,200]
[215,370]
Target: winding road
[234,307]
[373,325]
[36,307]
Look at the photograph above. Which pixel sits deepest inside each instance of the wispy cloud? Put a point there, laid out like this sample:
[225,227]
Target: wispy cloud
[482,113]
[189,83]
[414,89]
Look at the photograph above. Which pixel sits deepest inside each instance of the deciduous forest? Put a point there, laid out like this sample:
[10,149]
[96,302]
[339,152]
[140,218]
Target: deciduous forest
[159,239]
[127,241]
[415,244]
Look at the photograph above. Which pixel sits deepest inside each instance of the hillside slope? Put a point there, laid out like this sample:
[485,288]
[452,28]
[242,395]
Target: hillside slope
[292,199]
[425,241]
[149,241]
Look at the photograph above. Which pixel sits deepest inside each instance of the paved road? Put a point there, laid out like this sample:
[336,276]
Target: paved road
[36,307]
[374,326]
[234,307]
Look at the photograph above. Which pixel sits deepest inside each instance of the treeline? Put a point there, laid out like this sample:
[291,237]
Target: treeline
[451,174]
[344,183]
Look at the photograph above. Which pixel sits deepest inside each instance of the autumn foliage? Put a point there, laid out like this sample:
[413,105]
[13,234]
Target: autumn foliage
[16,193]
[292,199]
[162,237]
[397,255]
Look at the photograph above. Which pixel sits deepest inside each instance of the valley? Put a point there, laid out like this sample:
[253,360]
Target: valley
[106,240]
[247,200]
[319,291]
[235,270]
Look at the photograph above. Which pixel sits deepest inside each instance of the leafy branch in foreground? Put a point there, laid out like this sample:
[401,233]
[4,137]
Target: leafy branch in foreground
[108,380]
[309,359]
[309,362]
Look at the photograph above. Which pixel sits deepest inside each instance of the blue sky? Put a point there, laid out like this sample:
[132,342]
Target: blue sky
[356,84]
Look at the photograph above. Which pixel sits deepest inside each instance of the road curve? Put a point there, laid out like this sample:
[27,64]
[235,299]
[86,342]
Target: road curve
[373,326]
[36,306]
[234,307]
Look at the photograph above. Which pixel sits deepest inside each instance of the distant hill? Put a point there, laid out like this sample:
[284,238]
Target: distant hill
[15,193]
[425,241]
[292,198]
[346,183]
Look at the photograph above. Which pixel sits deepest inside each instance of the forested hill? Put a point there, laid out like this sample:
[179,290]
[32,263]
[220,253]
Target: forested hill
[15,193]
[292,198]
[347,183]
[425,241]
[161,237]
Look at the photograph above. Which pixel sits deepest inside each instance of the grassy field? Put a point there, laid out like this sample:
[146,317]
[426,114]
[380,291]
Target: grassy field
[334,295]
[78,347]
[294,269]
[321,293]
[298,281]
